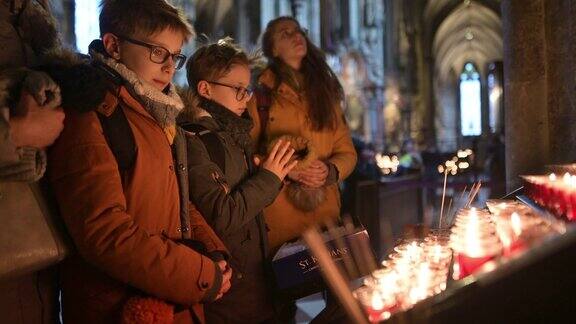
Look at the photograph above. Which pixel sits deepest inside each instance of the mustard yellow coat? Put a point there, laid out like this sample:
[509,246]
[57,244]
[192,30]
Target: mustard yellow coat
[288,115]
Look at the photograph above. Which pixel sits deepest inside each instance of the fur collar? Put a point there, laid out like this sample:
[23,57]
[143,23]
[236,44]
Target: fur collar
[191,112]
[163,106]
[168,97]
[35,25]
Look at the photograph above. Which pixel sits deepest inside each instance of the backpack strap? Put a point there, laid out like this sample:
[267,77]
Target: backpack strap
[211,142]
[115,126]
[120,138]
[264,101]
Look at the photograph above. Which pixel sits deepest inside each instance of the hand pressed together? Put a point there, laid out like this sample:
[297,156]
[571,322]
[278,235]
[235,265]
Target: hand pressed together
[313,176]
[278,161]
[226,276]
[34,124]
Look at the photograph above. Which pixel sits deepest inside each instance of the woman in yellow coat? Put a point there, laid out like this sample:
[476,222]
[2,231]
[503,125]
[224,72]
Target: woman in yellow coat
[301,97]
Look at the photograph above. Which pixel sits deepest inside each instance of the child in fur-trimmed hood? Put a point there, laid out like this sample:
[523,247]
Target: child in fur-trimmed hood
[227,186]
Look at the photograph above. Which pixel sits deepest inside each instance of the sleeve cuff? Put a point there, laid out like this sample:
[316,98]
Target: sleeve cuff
[216,284]
[218,256]
[30,167]
[272,178]
[333,174]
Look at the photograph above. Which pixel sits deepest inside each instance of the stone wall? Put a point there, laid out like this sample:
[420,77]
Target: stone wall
[540,86]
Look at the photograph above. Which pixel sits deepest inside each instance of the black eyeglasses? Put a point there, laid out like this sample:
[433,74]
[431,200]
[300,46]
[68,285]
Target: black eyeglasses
[241,92]
[159,54]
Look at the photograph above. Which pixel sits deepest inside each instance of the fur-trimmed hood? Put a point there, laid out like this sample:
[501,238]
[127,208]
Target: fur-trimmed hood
[28,31]
[82,86]
[192,110]
[31,42]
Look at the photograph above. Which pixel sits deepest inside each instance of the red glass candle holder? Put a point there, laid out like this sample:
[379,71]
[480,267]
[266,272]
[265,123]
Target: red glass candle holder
[469,265]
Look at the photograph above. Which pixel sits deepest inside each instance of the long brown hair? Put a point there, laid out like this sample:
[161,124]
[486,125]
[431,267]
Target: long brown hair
[323,90]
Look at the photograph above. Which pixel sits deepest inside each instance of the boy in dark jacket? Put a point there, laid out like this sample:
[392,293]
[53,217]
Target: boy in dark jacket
[227,187]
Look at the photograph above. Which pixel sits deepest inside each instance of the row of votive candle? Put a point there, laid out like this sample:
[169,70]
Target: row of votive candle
[417,270]
[413,272]
[479,236]
[555,193]
[518,227]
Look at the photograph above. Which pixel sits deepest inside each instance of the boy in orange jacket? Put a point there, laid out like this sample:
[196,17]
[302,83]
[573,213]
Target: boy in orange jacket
[127,219]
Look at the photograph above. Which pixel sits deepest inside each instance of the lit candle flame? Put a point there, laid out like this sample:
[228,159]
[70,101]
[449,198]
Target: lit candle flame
[376,302]
[413,251]
[437,252]
[516,224]
[473,247]
[504,235]
[419,291]
[566,178]
[424,275]
[386,163]
[456,271]
[387,284]
[403,265]
[552,177]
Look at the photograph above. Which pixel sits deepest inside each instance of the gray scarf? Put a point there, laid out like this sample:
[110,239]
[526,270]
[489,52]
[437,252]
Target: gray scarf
[237,126]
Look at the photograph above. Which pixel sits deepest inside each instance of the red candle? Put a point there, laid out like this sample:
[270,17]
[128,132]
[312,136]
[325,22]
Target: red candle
[474,242]
[516,247]
[469,265]
[375,315]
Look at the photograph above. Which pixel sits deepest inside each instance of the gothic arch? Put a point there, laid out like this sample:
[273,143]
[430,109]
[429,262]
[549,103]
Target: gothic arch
[460,32]
[471,30]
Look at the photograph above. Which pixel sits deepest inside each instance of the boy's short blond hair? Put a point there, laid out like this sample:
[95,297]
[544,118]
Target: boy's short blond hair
[130,17]
[213,61]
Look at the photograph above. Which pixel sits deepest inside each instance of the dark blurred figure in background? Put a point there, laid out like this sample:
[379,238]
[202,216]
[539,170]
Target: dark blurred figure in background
[410,158]
[496,166]
[366,169]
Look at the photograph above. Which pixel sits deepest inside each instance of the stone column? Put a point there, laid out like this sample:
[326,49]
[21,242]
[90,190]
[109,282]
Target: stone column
[540,84]
[526,118]
[561,76]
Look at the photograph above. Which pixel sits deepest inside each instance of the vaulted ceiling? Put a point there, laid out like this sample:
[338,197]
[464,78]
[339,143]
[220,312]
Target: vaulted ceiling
[463,31]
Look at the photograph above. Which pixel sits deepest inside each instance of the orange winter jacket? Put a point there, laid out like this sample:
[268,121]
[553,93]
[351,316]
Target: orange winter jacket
[288,114]
[125,227]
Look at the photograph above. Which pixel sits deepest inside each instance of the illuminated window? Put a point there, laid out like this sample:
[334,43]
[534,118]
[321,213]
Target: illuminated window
[86,23]
[494,100]
[470,101]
